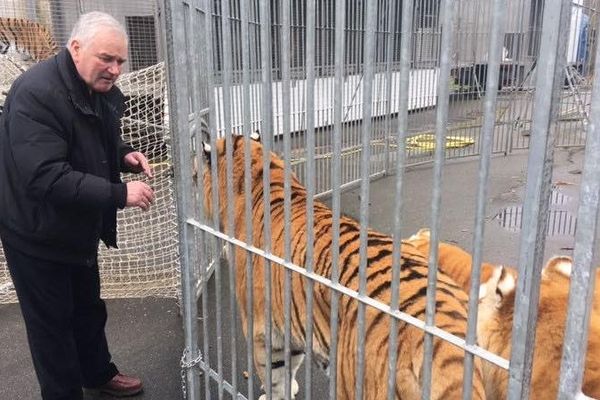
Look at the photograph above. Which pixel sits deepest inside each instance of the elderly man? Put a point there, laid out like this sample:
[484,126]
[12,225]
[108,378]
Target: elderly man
[61,155]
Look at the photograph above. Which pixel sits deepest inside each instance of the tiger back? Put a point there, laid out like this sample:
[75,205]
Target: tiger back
[453,260]
[447,368]
[26,37]
[563,269]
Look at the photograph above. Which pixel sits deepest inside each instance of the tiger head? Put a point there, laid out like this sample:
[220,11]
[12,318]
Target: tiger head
[495,320]
[215,160]
[498,291]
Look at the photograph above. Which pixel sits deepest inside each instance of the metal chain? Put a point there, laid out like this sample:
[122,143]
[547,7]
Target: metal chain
[185,366]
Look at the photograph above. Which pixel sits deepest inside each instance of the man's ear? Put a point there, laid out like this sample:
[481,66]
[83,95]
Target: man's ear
[74,49]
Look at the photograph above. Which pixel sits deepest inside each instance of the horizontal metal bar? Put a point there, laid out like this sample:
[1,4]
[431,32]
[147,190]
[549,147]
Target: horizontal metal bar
[215,375]
[455,340]
[350,185]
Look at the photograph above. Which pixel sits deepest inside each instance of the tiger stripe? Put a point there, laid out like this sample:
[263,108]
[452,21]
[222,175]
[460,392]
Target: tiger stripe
[27,37]
[495,320]
[451,300]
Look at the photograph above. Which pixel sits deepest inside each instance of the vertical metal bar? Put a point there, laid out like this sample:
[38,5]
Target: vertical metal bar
[358,75]
[405,52]
[582,278]
[226,90]
[287,208]
[310,184]
[336,180]
[550,73]
[391,15]
[369,51]
[209,42]
[487,137]
[443,89]
[179,110]
[516,97]
[247,119]
[198,17]
[267,129]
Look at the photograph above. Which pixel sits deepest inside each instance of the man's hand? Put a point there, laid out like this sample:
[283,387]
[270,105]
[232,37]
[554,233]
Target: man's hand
[138,163]
[139,195]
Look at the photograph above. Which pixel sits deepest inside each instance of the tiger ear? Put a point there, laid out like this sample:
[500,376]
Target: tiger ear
[204,129]
[500,284]
[255,136]
[562,265]
[206,149]
[423,233]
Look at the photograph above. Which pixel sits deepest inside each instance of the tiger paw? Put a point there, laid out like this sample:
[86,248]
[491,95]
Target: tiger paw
[275,395]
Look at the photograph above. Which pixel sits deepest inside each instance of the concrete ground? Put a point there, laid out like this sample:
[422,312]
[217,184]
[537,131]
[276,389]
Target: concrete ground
[145,335]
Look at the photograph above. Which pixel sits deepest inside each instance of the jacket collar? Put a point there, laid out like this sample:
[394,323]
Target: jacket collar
[78,90]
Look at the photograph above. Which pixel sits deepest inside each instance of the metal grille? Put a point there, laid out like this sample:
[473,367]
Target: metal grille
[345,92]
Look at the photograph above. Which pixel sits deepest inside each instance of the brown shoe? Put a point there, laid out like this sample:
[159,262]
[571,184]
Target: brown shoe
[121,386]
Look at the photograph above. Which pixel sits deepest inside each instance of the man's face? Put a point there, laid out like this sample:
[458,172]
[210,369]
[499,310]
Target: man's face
[99,61]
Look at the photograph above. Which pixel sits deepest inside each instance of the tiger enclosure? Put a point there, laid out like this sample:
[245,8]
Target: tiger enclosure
[358,199]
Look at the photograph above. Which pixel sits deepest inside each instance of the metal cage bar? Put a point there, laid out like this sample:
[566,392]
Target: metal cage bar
[348,148]
[178,80]
[405,50]
[448,24]
[310,186]
[581,291]
[369,51]
[535,212]
[336,171]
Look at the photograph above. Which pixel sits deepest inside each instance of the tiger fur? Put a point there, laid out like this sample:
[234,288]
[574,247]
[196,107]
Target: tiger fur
[453,259]
[447,366]
[563,271]
[27,37]
[494,331]
[495,316]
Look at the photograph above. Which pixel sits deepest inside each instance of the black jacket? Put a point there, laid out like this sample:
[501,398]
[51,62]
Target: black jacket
[60,163]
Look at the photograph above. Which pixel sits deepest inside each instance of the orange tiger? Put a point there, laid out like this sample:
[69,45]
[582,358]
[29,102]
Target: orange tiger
[495,318]
[494,331]
[27,37]
[451,307]
[564,270]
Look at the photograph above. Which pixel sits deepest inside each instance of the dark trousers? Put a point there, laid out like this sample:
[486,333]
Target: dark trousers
[65,319]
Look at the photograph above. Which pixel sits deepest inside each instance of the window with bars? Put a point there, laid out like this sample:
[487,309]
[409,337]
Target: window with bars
[535,26]
[142,41]
[388,27]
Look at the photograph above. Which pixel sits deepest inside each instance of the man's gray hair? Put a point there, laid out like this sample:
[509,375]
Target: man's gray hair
[89,24]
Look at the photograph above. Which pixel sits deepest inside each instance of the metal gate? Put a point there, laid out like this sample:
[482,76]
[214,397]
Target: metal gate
[333,87]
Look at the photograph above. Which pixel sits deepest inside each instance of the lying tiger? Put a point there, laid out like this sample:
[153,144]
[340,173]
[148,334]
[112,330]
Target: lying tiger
[451,314]
[26,37]
[495,317]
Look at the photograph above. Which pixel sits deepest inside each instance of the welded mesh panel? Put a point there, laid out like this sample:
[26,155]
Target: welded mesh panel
[295,109]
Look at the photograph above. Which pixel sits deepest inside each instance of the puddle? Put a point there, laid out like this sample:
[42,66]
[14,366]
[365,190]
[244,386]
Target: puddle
[560,222]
